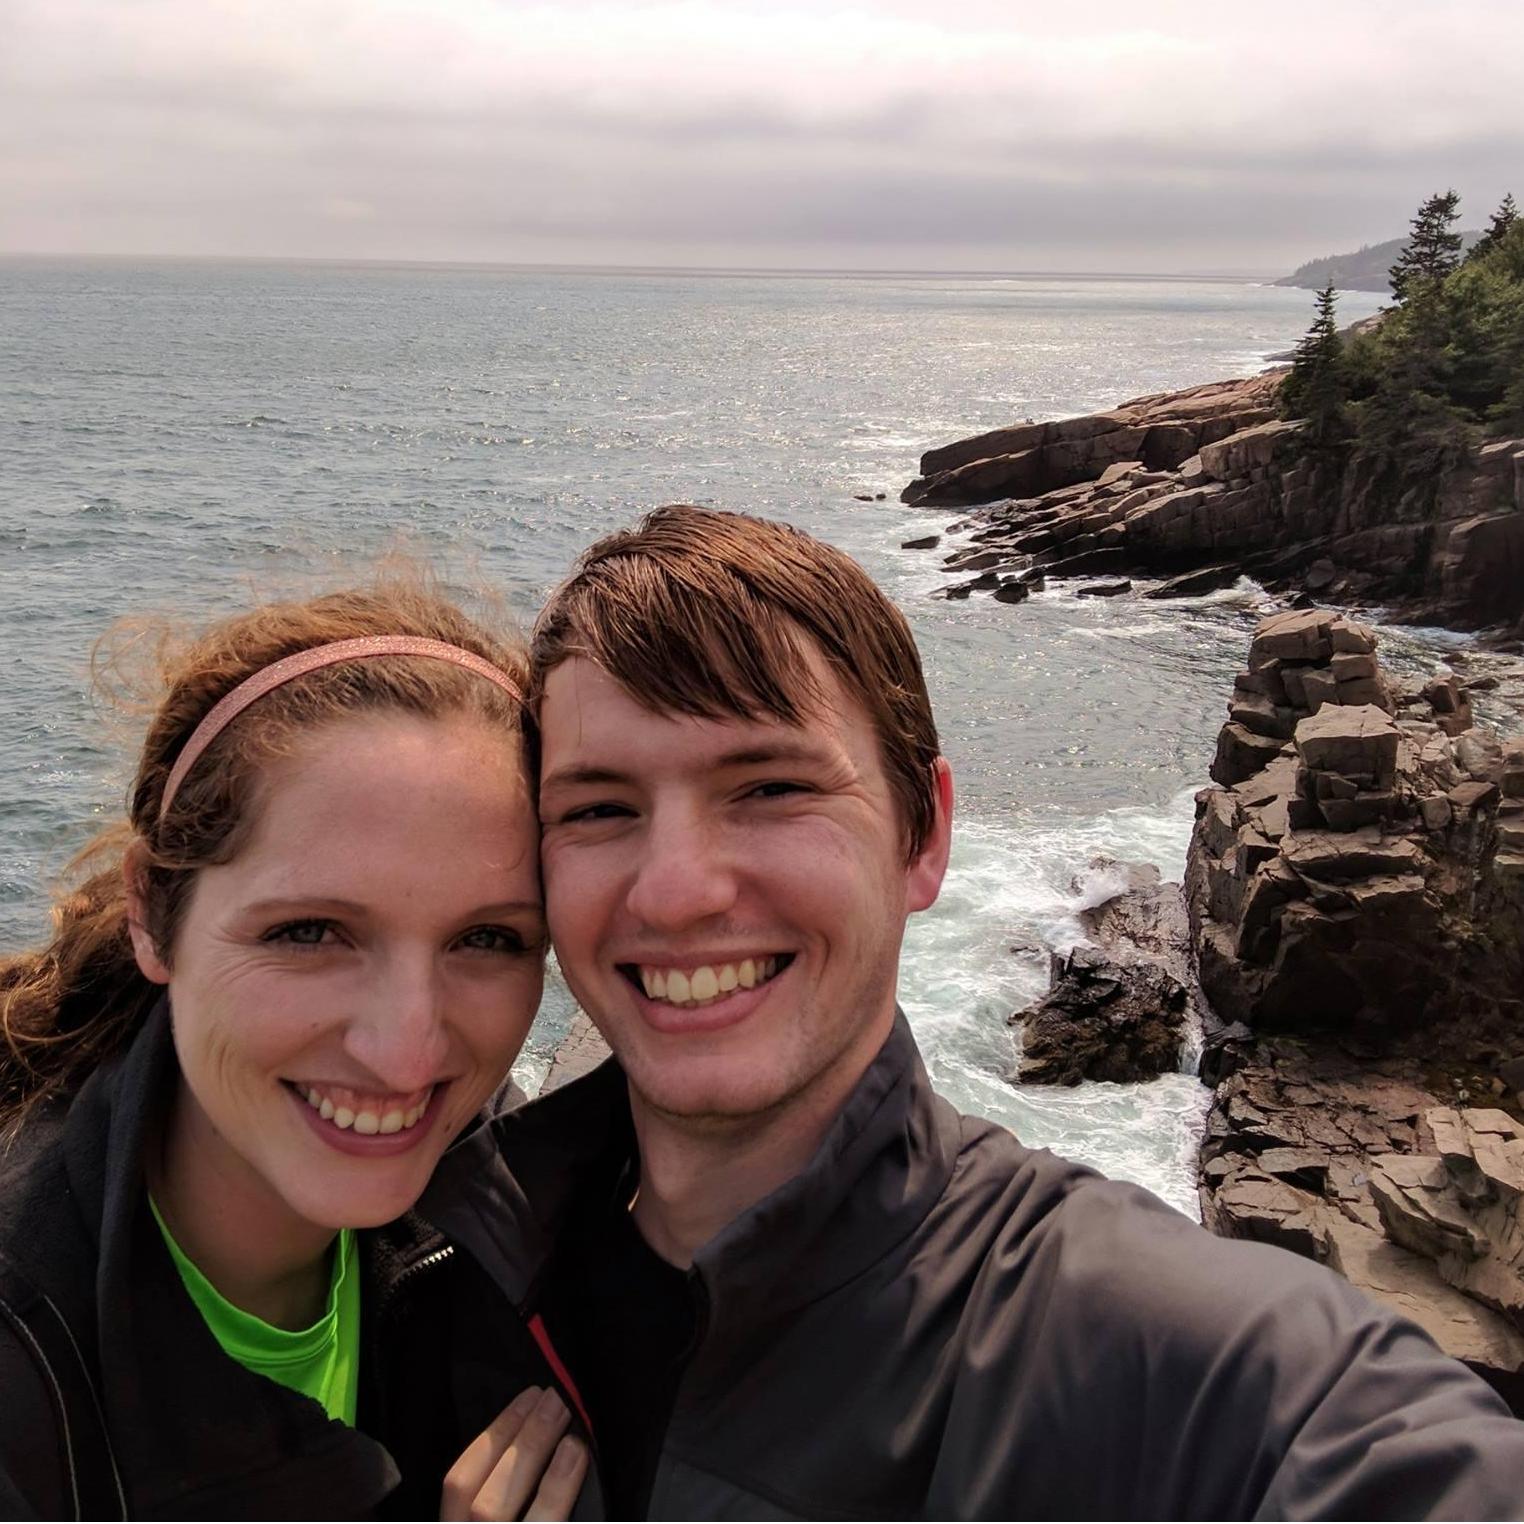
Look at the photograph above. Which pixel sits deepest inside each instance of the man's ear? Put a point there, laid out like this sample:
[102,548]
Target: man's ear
[135,881]
[923,879]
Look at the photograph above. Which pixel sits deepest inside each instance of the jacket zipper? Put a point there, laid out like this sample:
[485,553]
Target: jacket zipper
[428,1262]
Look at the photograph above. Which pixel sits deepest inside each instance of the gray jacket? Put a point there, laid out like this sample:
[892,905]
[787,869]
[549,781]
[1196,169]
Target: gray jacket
[932,1321]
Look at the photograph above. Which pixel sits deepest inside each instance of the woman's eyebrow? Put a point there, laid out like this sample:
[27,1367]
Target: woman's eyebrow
[508,907]
[300,901]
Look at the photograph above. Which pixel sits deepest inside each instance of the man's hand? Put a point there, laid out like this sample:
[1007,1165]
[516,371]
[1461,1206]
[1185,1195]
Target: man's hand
[524,1457]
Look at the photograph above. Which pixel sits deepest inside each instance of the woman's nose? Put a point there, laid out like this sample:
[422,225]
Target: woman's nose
[401,1036]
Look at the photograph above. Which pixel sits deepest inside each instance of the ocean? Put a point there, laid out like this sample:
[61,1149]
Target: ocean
[182,437]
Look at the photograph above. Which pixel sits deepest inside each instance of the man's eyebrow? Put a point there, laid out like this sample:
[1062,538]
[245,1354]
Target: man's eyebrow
[573,777]
[771,751]
[760,754]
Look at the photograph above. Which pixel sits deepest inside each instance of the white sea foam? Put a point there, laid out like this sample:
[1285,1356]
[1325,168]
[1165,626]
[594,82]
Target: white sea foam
[981,953]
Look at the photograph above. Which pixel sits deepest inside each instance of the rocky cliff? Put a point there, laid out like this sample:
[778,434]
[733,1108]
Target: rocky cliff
[1202,485]
[1355,885]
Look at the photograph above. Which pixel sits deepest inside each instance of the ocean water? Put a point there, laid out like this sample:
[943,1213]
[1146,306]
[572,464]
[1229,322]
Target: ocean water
[182,437]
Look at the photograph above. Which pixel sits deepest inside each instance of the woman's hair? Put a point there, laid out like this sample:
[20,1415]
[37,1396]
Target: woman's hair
[74,1003]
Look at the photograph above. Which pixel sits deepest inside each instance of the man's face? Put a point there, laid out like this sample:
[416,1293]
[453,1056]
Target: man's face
[727,897]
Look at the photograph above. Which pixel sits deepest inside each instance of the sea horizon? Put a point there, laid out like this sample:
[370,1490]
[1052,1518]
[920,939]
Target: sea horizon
[700,271]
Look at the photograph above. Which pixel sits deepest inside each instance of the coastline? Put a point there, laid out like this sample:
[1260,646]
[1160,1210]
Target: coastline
[1336,1129]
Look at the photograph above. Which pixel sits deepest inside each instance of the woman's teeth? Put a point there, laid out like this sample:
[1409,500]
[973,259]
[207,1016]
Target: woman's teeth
[699,986]
[349,1112]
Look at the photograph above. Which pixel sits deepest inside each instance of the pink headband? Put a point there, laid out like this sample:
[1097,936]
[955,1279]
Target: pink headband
[231,705]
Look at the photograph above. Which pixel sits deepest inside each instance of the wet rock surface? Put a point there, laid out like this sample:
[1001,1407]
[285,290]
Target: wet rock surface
[1119,1003]
[1103,1021]
[1355,886]
[1202,486]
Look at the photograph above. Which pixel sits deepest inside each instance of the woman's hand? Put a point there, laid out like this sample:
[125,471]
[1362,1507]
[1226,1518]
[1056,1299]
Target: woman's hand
[524,1457]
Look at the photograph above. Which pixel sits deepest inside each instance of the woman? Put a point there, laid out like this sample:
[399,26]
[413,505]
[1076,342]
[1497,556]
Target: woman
[289,981]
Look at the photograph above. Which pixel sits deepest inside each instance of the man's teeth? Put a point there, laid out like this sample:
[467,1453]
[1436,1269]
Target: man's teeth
[700,986]
[366,1120]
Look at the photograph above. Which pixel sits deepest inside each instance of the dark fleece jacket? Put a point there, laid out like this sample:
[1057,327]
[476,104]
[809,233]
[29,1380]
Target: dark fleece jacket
[932,1321]
[193,1433]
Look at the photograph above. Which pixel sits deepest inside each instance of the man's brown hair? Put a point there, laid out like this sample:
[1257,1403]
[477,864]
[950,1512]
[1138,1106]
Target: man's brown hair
[713,614]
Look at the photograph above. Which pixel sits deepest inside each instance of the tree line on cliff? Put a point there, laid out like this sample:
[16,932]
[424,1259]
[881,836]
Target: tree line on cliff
[1410,398]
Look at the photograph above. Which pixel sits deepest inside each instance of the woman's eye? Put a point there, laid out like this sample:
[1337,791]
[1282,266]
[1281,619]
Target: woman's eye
[494,939]
[302,933]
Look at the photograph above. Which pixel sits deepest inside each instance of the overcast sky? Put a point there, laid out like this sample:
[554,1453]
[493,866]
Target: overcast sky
[1170,135]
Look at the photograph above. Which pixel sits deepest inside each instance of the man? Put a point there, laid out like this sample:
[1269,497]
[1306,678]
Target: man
[783,1277]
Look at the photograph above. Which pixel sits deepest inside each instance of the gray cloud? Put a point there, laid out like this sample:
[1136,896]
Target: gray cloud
[704,132]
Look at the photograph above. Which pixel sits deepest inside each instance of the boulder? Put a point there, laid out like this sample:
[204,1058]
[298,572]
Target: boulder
[1240,452]
[1103,1021]
[1193,584]
[1241,753]
[1350,739]
[1119,1003]
[1300,635]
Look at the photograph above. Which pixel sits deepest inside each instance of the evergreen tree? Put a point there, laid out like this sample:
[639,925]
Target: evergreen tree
[1504,218]
[1410,433]
[1317,388]
[1433,248]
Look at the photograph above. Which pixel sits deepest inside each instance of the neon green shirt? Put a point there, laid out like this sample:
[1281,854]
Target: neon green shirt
[321,1362]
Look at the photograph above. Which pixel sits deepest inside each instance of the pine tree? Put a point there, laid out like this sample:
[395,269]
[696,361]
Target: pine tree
[1433,248]
[1504,218]
[1317,388]
[1410,434]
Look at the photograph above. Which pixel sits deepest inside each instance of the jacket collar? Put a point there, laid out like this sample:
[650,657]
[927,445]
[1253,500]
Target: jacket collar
[505,1190]
[194,1432]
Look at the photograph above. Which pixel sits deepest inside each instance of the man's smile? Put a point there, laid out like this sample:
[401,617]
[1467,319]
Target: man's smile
[692,985]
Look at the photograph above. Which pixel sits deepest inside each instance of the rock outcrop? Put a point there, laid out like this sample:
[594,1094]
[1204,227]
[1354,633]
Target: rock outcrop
[1355,885]
[1149,434]
[1461,1209]
[1362,862]
[1211,482]
[579,1052]
[1120,1003]
[1303,1143]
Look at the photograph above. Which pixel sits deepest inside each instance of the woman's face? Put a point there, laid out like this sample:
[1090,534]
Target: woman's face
[351,988]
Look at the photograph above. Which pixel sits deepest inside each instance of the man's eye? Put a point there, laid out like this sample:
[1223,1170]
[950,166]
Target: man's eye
[777,788]
[495,939]
[606,811]
[302,933]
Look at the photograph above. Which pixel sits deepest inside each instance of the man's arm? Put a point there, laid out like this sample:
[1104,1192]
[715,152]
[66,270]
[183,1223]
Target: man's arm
[1128,1364]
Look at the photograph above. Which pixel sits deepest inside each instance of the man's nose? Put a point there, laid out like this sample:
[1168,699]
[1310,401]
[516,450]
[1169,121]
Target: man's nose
[400,1037]
[686,872]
